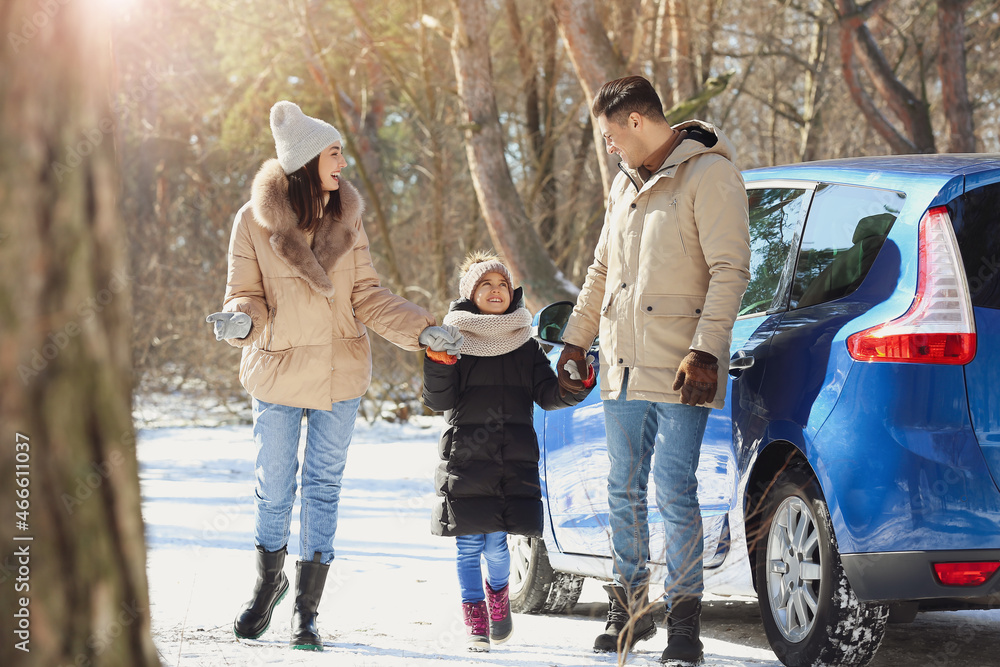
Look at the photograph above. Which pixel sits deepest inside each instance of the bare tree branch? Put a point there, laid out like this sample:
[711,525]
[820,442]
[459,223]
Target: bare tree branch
[541,195]
[361,144]
[857,43]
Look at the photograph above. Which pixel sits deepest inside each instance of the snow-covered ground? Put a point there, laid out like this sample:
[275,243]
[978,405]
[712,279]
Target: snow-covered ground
[392,595]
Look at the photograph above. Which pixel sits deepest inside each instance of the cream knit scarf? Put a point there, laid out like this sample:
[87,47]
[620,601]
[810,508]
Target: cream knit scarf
[491,335]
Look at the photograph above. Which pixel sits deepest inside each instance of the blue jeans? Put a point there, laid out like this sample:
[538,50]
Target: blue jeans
[276,430]
[635,429]
[492,547]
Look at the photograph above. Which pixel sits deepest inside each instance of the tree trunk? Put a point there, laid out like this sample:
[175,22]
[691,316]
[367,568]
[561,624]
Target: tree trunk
[541,194]
[707,28]
[74,566]
[643,53]
[596,62]
[951,68]
[511,231]
[661,64]
[682,73]
[434,128]
[548,196]
[811,109]
[857,44]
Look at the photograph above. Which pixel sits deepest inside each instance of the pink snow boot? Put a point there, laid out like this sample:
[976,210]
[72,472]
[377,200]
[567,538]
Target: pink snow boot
[476,626]
[501,624]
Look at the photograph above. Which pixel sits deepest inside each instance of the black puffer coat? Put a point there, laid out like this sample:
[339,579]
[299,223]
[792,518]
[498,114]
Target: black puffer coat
[488,476]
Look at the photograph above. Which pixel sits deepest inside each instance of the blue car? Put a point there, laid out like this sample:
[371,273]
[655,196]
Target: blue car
[852,477]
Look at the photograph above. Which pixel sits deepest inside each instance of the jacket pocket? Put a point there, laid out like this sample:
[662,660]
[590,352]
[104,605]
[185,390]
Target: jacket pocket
[609,297]
[671,305]
[666,326]
[661,230]
[265,374]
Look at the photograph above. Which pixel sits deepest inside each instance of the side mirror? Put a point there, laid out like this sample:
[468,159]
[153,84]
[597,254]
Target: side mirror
[551,321]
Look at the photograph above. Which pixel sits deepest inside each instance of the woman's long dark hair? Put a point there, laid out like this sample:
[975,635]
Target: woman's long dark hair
[305,193]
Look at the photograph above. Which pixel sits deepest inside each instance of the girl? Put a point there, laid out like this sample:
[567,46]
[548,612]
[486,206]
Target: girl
[488,477]
[301,289]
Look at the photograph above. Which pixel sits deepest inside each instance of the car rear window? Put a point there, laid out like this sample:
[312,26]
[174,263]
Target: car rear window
[845,229]
[976,217]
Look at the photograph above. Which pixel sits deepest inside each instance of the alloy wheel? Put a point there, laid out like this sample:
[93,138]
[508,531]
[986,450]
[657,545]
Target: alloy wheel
[794,568]
[520,561]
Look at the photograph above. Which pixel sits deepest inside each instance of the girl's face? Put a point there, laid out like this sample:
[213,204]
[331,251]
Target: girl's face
[492,295]
[331,161]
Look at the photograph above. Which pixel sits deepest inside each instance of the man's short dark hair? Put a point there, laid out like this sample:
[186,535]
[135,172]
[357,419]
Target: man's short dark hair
[617,99]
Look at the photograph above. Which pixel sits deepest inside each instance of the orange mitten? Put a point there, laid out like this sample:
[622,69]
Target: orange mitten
[441,357]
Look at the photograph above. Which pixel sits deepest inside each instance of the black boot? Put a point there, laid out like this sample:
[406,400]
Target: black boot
[618,627]
[684,647]
[271,586]
[310,578]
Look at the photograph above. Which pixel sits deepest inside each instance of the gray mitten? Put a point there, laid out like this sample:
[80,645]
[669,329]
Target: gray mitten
[230,325]
[442,339]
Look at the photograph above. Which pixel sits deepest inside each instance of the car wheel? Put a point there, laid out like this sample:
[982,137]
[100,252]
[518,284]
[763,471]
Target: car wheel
[535,588]
[811,615]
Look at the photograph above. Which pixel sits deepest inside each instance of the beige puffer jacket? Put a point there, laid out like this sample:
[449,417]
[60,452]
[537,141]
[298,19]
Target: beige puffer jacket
[669,270]
[308,346]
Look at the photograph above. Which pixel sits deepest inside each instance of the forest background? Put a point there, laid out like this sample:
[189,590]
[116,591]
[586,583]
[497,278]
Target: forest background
[466,125]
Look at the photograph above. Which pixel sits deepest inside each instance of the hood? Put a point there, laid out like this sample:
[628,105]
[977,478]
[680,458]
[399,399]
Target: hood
[334,237]
[702,138]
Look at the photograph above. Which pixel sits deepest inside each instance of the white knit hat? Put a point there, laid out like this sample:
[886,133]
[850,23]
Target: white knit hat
[298,138]
[470,279]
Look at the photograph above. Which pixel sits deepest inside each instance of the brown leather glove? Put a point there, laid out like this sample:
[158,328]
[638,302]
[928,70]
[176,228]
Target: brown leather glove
[567,385]
[697,378]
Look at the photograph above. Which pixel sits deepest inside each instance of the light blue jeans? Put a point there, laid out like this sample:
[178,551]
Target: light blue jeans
[492,547]
[276,430]
[674,431]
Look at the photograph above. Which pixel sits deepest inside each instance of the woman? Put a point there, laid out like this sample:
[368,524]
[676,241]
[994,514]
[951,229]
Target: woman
[300,291]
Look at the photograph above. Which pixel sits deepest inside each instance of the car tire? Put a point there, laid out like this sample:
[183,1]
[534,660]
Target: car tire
[535,588]
[810,613]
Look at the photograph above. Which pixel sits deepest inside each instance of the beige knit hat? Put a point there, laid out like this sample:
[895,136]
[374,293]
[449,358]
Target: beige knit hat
[298,138]
[477,265]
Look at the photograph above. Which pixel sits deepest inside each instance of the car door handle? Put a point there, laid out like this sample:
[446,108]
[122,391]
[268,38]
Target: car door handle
[739,363]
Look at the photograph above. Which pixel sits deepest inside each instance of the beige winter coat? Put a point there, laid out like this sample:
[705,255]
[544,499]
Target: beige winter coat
[309,303]
[669,271]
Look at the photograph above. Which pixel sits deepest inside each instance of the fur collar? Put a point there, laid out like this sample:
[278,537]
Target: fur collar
[333,239]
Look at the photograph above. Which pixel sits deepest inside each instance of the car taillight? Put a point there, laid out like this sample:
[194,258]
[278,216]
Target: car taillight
[938,328]
[965,574]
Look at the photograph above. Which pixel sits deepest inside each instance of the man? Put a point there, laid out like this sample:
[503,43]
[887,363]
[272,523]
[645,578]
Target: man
[668,275]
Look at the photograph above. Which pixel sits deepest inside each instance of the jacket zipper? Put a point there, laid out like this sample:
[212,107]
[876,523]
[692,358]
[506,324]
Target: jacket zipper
[625,171]
[677,224]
